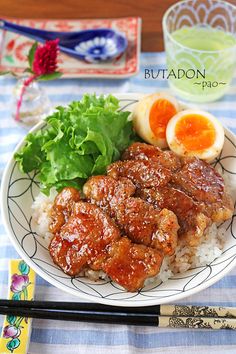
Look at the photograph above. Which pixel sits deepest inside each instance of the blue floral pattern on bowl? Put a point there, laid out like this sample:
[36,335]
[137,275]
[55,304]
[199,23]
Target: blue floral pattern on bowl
[100,48]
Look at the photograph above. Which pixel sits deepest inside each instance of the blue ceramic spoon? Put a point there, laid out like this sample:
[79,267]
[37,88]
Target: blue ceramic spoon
[90,45]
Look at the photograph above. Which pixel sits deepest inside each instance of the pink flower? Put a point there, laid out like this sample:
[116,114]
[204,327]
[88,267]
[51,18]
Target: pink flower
[45,58]
[11,332]
[19,282]
[44,63]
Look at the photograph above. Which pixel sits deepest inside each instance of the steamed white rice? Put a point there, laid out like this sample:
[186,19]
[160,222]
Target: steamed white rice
[185,257]
[40,216]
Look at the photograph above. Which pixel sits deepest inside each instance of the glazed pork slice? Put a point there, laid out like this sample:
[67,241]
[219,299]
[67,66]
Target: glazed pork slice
[130,264]
[143,173]
[205,186]
[144,224]
[140,221]
[83,239]
[142,151]
[193,190]
[194,177]
[108,193]
[191,219]
[91,239]
[162,195]
[199,180]
[62,207]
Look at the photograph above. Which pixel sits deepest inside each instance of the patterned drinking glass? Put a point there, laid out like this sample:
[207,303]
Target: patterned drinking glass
[200,44]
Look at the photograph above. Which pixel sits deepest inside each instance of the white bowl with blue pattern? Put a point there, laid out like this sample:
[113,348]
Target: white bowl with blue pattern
[18,193]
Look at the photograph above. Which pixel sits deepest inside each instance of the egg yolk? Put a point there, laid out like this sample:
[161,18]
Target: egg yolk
[195,132]
[161,112]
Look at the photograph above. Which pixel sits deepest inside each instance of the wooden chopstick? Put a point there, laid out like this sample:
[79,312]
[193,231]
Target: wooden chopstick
[163,310]
[176,316]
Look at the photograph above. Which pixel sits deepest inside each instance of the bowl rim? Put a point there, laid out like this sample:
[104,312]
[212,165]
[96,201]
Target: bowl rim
[106,301]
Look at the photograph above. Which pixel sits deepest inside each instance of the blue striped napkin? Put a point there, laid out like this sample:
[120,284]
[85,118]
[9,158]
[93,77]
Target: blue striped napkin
[51,337]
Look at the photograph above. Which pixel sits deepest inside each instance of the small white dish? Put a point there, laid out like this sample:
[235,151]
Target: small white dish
[18,193]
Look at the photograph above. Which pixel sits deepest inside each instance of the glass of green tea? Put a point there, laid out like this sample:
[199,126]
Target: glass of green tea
[200,44]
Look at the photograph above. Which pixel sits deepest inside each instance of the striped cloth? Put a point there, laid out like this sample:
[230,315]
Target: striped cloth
[52,337]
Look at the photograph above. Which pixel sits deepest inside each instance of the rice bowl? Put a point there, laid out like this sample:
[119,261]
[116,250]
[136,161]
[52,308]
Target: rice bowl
[18,195]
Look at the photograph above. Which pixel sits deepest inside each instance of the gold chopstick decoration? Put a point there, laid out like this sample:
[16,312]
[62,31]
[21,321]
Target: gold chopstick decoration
[196,322]
[197,311]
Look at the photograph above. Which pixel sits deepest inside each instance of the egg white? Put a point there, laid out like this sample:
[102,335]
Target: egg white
[208,154]
[141,117]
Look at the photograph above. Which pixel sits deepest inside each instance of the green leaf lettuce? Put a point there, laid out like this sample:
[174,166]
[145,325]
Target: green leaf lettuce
[78,141]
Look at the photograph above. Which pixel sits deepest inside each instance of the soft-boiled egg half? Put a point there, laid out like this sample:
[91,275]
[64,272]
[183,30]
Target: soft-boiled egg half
[151,115]
[194,132]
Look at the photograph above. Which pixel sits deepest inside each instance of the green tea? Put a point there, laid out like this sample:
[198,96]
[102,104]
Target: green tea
[204,38]
[205,49]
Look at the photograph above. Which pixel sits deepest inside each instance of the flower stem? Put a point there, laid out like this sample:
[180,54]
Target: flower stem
[26,83]
[25,292]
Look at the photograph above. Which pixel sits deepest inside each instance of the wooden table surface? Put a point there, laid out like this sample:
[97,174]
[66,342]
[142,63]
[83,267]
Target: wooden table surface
[151,12]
